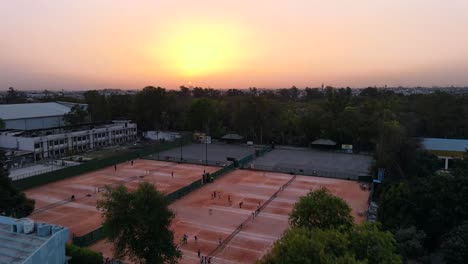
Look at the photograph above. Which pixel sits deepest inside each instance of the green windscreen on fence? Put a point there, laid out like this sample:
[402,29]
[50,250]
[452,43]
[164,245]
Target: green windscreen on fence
[99,233]
[92,165]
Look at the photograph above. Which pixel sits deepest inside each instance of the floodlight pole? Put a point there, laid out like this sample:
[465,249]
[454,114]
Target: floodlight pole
[206,150]
[181,156]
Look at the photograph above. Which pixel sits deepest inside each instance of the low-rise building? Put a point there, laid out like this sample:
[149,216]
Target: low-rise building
[446,149]
[35,115]
[63,141]
[24,241]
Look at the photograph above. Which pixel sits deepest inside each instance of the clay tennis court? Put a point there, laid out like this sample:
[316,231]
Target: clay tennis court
[53,204]
[211,219]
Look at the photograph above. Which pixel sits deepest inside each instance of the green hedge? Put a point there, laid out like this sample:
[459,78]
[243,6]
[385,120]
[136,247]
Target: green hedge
[93,165]
[82,255]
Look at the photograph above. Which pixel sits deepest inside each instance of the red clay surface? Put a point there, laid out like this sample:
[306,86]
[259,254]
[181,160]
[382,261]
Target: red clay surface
[250,187]
[81,215]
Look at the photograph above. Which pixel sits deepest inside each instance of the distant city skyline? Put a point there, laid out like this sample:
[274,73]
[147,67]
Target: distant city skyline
[83,45]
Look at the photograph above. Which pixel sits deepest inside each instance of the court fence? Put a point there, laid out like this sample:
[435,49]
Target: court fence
[68,172]
[99,233]
[36,172]
[89,238]
[309,172]
[249,219]
[213,163]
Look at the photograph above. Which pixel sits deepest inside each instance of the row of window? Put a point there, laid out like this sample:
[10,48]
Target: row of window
[79,138]
[64,150]
[97,143]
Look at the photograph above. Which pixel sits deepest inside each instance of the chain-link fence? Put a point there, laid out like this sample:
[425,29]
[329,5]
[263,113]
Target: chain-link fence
[93,165]
[307,172]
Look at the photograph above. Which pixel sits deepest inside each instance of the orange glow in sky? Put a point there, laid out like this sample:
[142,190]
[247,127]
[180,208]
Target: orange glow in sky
[196,51]
[92,44]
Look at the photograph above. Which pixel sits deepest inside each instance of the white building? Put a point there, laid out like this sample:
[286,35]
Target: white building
[63,141]
[161,135]
[446,149]
[35,115]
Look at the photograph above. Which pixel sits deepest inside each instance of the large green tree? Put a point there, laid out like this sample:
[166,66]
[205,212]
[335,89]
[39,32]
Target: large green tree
[148,108]
[300,245]
[137,223]
[455,245]
[77,115]
[368,242]
[98,107]
[410,242]
[321,209]
[12,202]
[365,243]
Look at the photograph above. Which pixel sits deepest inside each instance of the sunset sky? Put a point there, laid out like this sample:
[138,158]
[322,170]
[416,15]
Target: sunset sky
[97,44]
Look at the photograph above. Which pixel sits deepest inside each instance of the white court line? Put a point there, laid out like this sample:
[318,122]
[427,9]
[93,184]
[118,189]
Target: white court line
[250,235]
[210,227]
[82,187]
[231,209]
[82,206]
[242,248]
[273,216]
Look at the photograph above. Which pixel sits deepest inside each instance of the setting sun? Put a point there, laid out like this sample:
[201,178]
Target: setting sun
[200,50]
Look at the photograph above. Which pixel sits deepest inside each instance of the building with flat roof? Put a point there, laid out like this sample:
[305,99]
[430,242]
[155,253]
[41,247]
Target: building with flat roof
[446,149]
[35,115]
[64,141]
[29,242]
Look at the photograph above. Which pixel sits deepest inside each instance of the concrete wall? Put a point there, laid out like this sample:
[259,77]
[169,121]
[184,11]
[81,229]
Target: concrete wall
[34,123]
[52,251]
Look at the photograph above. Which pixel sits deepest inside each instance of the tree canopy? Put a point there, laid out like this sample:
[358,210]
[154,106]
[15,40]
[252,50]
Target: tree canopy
[322,231]
[12,202]
[455,245]
[321,209]
[365,243]
[77,115]
[137,223]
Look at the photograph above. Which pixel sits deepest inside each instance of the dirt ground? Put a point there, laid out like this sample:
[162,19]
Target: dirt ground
[212,219]
[53,203]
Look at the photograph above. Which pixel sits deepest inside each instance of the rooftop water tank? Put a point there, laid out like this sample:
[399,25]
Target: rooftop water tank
[28,226]
[17,227]
[55,229]
[43,229]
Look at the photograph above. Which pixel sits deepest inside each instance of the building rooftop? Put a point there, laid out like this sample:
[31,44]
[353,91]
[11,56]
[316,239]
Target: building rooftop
[22,111]
[17,246]
[443,144]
